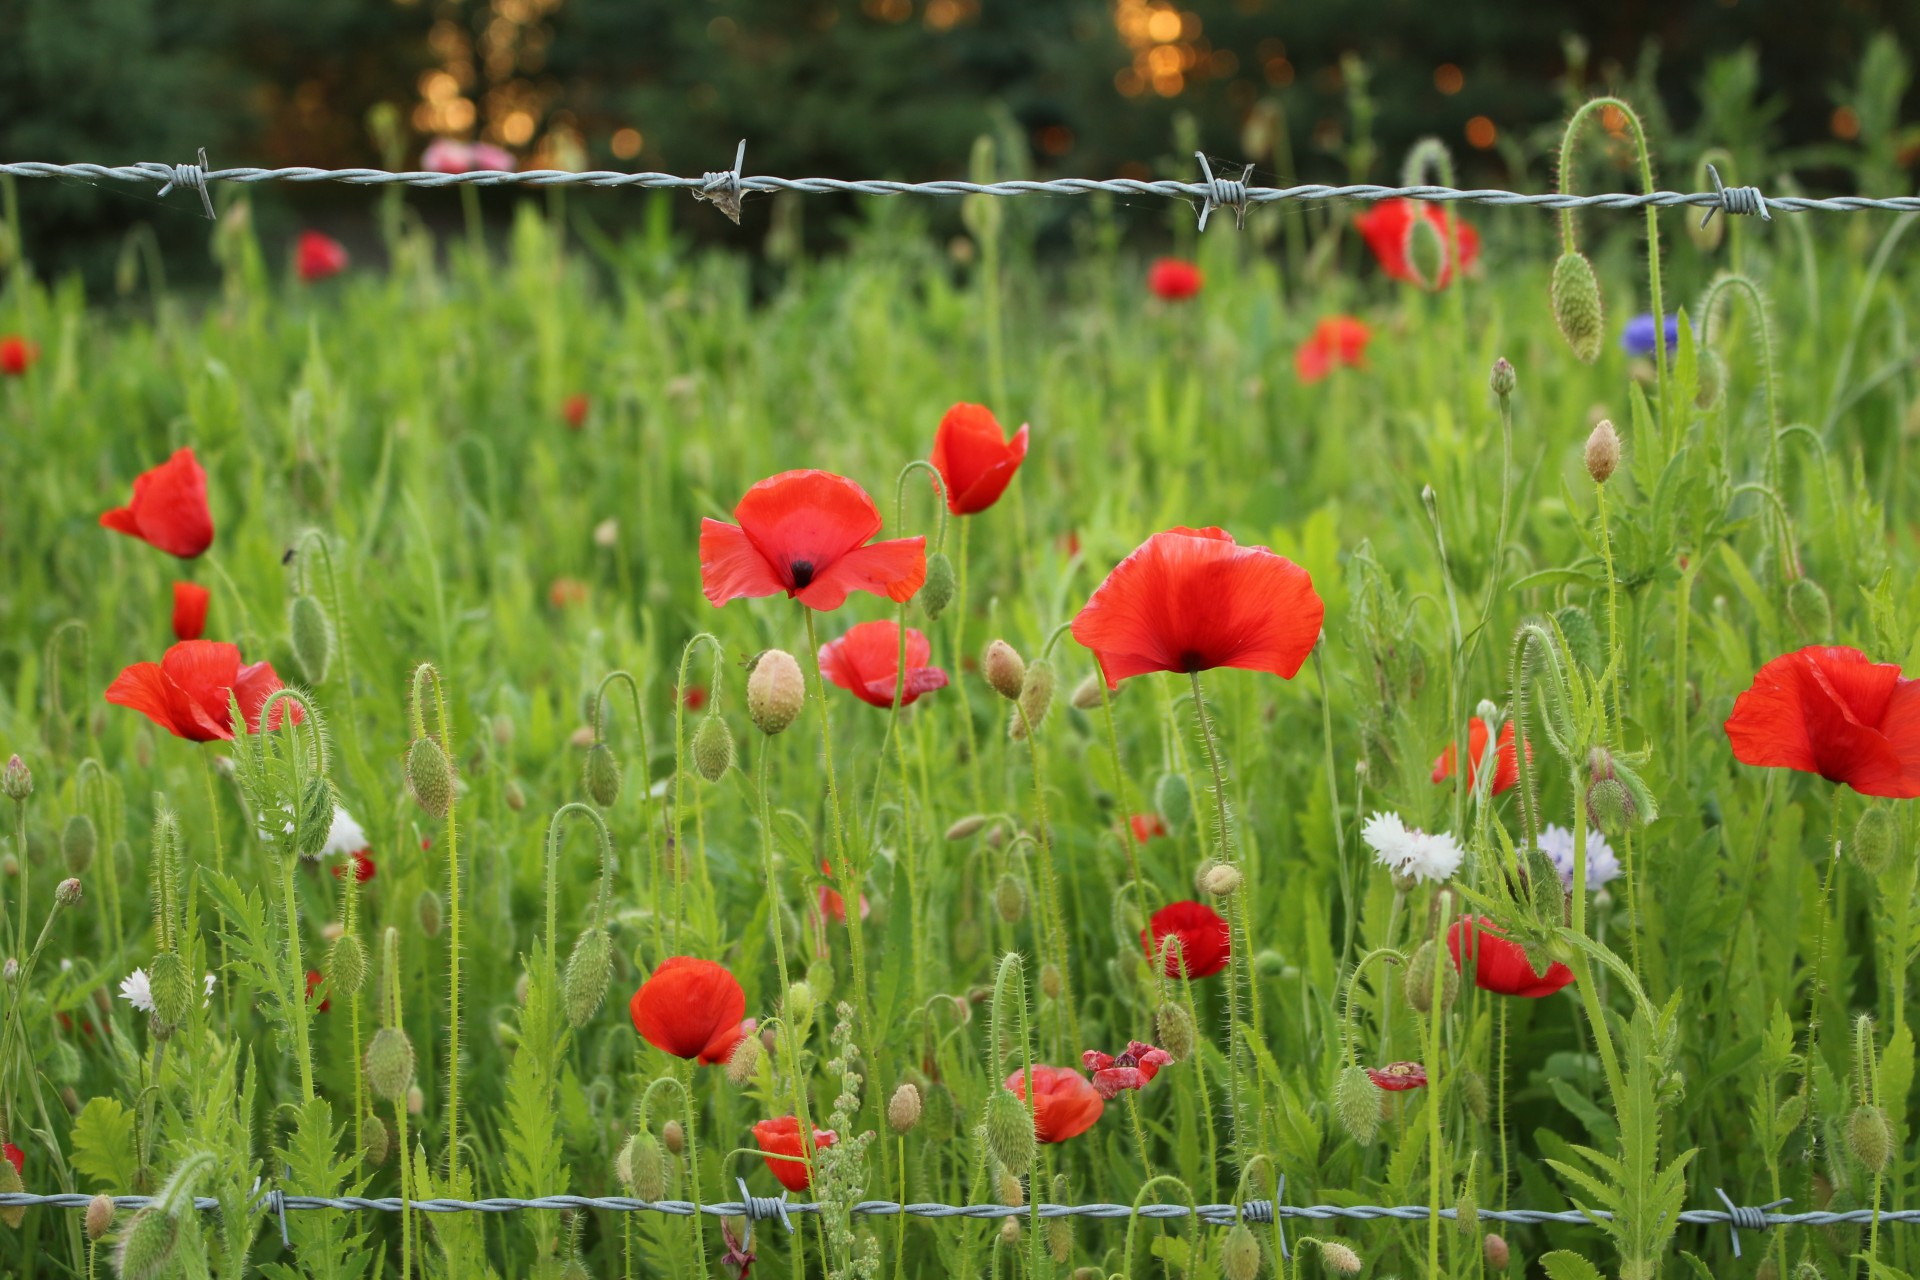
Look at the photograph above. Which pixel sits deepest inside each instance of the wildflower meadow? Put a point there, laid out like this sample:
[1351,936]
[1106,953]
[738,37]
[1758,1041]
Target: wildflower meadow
[1393,704]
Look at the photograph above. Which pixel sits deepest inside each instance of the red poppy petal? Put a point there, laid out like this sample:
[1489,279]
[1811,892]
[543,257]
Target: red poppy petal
[252,688]
[170,506]
[811,516]
[190,601]
[690,1008]
[919,680]
[145,688]
[1312,361]
[120,520]
[201,672]
[1768,727]
[731,567]
[895,569]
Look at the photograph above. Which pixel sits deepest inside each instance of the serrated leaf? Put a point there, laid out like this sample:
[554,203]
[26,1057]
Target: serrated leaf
[103,1147]
[1564,1264]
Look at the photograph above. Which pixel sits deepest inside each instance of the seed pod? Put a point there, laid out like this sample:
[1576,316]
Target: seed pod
[1419,982]
[1807,605]
[600,775]
[1036,696]
[673,1136]
[1173,801]
[1086,694]
[589,969]
[1007,1130]
[776,691]
[1495,1250]
[1603,451]
[903,1109]
[430,911]
[78,842]
[379,1144]
[1357,1103]
[312,637]
[1010,898]
[1174,1030]
[712,749]
[147,1248]
[100,1211]
[1575,294]
[1870,1137]
[1502,379]
[1341,1260]
[966,826]
[744,1062]
[390,1064]
[1872,845]
[1223,880]
[936,593]
[1240,1254]
[172,989]
[430,776]
[1426,253]
[1005,670]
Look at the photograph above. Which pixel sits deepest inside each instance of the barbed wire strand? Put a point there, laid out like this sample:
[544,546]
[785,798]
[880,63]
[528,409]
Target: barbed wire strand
[725,187]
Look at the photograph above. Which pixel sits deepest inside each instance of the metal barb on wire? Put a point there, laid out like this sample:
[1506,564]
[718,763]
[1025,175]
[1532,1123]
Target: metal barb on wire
[191,176]
[755,1208]
[721,188]
[1734,200]
[1746,1217]
[1224,193]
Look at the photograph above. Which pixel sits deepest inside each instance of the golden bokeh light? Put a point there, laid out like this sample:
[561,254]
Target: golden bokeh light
[626,143]
[1449,79]
[1481,133]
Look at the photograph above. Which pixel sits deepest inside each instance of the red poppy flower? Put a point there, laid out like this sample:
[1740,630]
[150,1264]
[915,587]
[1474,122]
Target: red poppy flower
[832,905]
[1337,340]
[1388,226]
[1132,1069]
[17,355]
[691,1009]
[1832,711]
[695,697]
[190,601]
[1193,599]
[866,663]
[169,508]
[318,256]
[185,692]
[1174,280]
[1506,760]
[363,866]
[1500,965]
[974,457]
[314,978]
[1205,943]
[1065,1102]
[15,1157]
[782,1138]
[1146,826]
[1396,1077]
[575,410]
[805,533]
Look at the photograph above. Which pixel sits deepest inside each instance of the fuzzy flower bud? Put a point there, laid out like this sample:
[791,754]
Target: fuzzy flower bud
[712,749]
[1060,1230]
[1809,608]
[390,1064]
[1173,1028]
[430,911]
[589,969]
[515,794]
[379,1144]
[1036,698]
[903,1109]
[647,1166]
[1173,800]
[799,1005]
[100,1211]
[1420,977]
[744,1062]
[1357,1104]
[430,776]
[776,691]
[1872,843]
[1007,1130]
[147,1248]
[1240,1254]
[312,637]
[1426,250]
[1086,694]
[1005,670]
[78,843]
[1052,985]
[600,775]
[16,780]
[966,826]
[1870,1137]
[937,592]
[1010,1232]
[68,892]
[1502,379]
[1010,898]
[1575,294]
[1603,451]
[1222,880]
[347,966]
[673,1136]
[1494,1248]
[1341,1260]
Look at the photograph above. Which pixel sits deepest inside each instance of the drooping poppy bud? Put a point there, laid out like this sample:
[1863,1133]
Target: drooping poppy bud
[1007,1130]
[1356,1102]
[78,843]
[431,912]
[147,1248]
[744,1062]
[1240,1254]
[941,584]
[430,776]
[1810,610]
[712,748]
[1870,1137]
[1010,898]
[1086,694]
[1426,253]
[964,827]
[1060,1230]
[1173,1029]
[1575,294]
[600,775]
[312,637]
[390,1064]
[1873,838]
[589,969]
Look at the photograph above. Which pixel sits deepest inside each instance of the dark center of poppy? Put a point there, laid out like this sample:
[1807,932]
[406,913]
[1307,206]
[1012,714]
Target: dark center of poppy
[802,571]
[1193,660]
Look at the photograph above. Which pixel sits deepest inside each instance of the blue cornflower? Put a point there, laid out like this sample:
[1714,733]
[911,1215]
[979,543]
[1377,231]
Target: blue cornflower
[1637,338]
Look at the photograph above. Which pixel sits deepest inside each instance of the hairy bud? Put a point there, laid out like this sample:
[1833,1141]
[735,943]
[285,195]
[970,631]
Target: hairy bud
[1240,1254]
[1502,379]
[673,1136]
[799,1006]
[937,592]
[1173,800]
[1870,1137]
[903,1108]
[1872,844]
[1036,698]
[78,843]
[1575,294]
[600,775]
[1173,1028]
[1473,1092]
[776,691]
[744,1062]
[646,1165]
[1357,1103]
[1420,975]
[712,749]
[1809,608]
[1060,1230]
[312,637]
[1010,898]
[1007,1130]
[390,1064]
[1494,1249]
[347,966]
[430,776]
[1426,252]
[515,794]
[966,826]
[146,1250]
[100,1211]
[1341,1260]
[379,1144]
[1603,451]
[1086,694]
[589,969]
[1222,880]
[431,912]
[16,780]
[1010,1232]
[1004,669]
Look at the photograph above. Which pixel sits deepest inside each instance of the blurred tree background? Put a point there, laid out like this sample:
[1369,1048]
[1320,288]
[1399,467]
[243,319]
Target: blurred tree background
[900,88]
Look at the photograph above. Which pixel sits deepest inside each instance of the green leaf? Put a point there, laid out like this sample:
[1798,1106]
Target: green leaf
[1564,1264]
[899,944]
[103,1148]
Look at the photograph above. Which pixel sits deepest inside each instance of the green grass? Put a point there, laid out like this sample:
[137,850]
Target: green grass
[411,420]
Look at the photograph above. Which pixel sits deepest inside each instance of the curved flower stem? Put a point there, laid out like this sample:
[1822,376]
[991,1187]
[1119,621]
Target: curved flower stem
[677,851]
[1133,1220]
[960,686]
[443,723]
[553,870]
[789,1034]
[844,870]
[646,790]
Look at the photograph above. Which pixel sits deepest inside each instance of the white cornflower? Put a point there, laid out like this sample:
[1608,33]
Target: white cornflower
[345,836]
[1409,851]
[1602,866]
[136,991]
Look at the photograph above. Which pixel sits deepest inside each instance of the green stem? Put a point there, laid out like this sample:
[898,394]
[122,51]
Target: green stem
[849,875]
[297,988]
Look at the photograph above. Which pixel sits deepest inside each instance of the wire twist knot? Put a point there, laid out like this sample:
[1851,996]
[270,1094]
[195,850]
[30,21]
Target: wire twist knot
[190,177]
[1224,193]
[1742,1217]
[1735,200]
[761,1208]
[721,187]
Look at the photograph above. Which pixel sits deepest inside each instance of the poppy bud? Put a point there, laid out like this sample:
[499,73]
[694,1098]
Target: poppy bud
[1341,1260]
[347,966]
[1010,898]
[1473,1092]
[100,1211]
[1005,670]
[1603,451]
[430,776]
[1007,1130]
[1872,845]
[1086,694]
[429,910]
[68,892]
[1419,981]
[776,691]
[1711,378]
[1502,379]
[1173,1028]
[903,1108]
[1270,964]
[820,981]
[936,593]
[515,795]
[379,1144]
[744,1062]
[1223,880]
[673,1136]
[1808,607]
[1870,1138]
[966,826]
[1173,801]
[1060,1230]
[799,1005]
[1807,1269]
[1610,805]
[712,749]
[16,780]
[1240,1254]
[1009,1189]
[316,818]
[171,987]
[312,637]
[416,1100]
[502,726]
[147,1248]
[1426,253]
[1575,294]
[1051,985]
[1494,1248]
[1036,696]
[1356,1102]
[600,775]
[1582,637]
[390,1063]
[589,969]
[78,842]
[1009,1227]
[1466,1211]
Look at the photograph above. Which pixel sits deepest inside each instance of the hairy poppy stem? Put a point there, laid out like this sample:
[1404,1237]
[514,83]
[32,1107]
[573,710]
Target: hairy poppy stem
[1436,1144]
[789,1035]
[646,790]
[443,723]
[1050,888]
[844,870]
[960,684]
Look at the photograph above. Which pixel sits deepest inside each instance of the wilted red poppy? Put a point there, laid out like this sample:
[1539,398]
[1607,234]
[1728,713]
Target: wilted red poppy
[1397,1077]
[17,355]
[832,905]
[1147,826]
[190,601]
[1174,279]
[1193,599]
[316,257]
[1065,1102]
[185,692]
[974,457]
[866,663]
[15,1157]
[574,410]
[782,1138]
[1205,943]
[691,1009]
[169,508]
[1500,965]
[1506,760]
[1388,226]
[314,979]
[363,866]
[1831,710]
[1129,1070]
[805,533]
[1335,341]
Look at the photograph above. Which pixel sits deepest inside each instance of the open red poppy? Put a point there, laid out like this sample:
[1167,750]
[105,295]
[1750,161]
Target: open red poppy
[1173,279]
[1506,760]
[185,692]
[190,601]
[573,410]
[781,1137]
[1205,943]
[317,256]
[691,1009]
[1388,226]
[1501,965]
[1131,1069]
[1831,710]
[1396,1077]
[866,662]
[169,508]
[1065,1102]
[17,355]
[1193,599]
[1335,341]
[974,457]
[805,533]
[363,867]
[1147,826]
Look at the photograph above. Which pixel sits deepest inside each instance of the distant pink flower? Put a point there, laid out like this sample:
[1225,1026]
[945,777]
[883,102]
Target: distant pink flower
[450,155]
